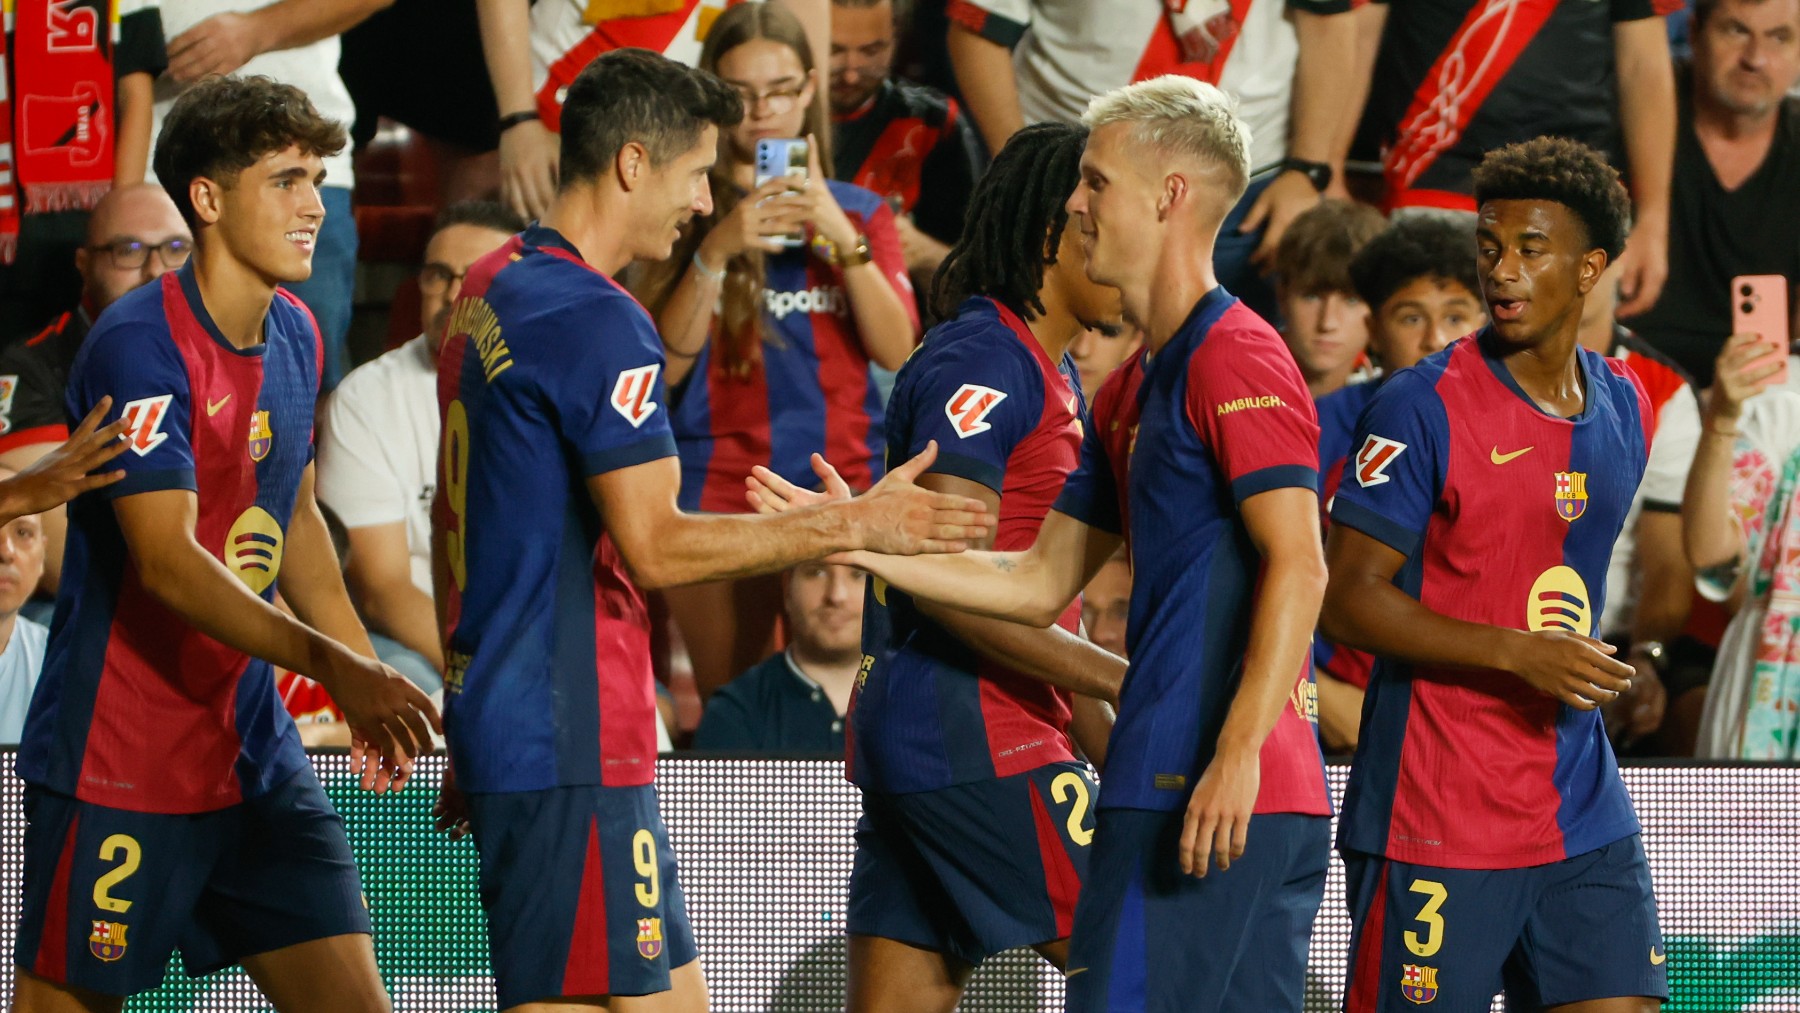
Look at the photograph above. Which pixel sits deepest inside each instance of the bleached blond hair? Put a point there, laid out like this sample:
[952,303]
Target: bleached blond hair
[1183,116]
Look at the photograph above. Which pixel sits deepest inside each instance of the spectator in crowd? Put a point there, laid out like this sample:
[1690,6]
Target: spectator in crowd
[134,236]
[534,50]
[1599,73]
[1737,160]
[1649,585]
[293,43]
[1286,61]
[795,700]
[908,143]
[1742,533]
[1106,603]
[771,346]
[1322,319]
[1416,280]
[1098,352]
[378,454]
[21,640]
[37,234]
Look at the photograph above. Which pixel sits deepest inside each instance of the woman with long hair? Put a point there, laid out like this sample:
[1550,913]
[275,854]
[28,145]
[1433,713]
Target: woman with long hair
[775,312]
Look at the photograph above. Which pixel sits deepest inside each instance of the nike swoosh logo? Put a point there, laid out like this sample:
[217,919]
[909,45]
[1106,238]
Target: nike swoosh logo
[1656,958]
[212,407]
[1498,458]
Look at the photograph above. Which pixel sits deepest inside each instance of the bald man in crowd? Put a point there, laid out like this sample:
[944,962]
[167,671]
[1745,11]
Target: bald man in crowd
[134,236]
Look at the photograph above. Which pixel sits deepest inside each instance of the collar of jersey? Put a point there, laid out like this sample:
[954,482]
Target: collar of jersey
[1206,312]
[1505,376]
[190,290]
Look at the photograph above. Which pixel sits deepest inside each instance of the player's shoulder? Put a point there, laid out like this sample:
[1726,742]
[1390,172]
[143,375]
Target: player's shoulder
[1238,328]
[977,332]
[133,329]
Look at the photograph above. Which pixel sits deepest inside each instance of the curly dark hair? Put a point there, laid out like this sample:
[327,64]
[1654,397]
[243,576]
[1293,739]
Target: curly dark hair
[636,95]
[1015,221]
[1564,171]
[224,125]
[1415,247]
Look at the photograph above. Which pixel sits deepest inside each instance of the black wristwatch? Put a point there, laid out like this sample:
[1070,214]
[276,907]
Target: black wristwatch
[511,120]
[1316,173]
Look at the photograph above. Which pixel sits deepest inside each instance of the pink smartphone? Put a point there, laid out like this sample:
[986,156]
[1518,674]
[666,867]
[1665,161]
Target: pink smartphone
[1759,305]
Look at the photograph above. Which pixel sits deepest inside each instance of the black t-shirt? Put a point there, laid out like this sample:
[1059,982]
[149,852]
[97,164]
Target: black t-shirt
[913,145]
[34,375]
[1717,234]
[1455,79]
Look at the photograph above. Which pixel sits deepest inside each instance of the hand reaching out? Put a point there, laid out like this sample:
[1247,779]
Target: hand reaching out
[65,473]
[896,517]
[391,721]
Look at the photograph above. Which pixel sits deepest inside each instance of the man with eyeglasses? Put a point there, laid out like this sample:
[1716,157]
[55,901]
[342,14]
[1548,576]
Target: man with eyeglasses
[134,236]
[378,449]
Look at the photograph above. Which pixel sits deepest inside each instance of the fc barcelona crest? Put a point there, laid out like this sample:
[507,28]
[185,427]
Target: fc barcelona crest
[261,437]
[107,941]
[650,938]
[1418,983]
[1571,494]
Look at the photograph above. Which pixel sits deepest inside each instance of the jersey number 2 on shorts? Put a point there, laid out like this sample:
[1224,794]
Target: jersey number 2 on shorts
[134,854]
[1061,788]
[643,855]
[1434,922]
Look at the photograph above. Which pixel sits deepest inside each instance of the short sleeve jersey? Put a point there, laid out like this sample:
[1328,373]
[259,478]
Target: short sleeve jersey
[929,712]
[1067,51]
[1506,516]
[812,389]
[1338,412]
[915,147]
[1455,79]
[550,374]
[1180,440]
[137,709]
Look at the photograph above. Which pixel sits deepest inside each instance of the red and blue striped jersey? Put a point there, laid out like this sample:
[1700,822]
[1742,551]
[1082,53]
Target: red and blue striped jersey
[929,712]
[136,709]
[813,390]
[1180,439]
[550,374]
[1507,517]
[1338,412]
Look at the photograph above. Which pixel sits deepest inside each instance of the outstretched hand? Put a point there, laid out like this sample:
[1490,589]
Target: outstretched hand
[63,473]
[896,517]
[391,722]
[769,493]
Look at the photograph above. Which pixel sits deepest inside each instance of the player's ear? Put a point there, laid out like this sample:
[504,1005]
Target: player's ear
[205,194]
[632,164]
[1174,193]
[1593,265]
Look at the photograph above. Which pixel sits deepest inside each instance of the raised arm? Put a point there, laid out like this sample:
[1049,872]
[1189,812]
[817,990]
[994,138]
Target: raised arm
[984,74]
[1710,528]
[1647,119]
[529,153]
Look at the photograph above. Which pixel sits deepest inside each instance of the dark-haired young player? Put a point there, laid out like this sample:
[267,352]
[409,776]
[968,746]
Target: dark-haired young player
[1489,840]
[1417,278]
[557,504]
[976,815]
[170,802]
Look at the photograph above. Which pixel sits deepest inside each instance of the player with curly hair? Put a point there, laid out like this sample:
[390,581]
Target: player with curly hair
[1489,840]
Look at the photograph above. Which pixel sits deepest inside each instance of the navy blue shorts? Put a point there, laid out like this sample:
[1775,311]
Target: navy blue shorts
[976,868]
[1148,938]
[580,891]
[110,893]
[1582,928]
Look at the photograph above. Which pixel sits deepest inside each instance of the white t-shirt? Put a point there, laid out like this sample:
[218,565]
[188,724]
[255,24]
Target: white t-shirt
[1068,51]
[378,448]
[311,68]
[20,665]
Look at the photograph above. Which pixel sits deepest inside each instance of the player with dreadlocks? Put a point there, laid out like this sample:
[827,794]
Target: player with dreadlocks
[976,814]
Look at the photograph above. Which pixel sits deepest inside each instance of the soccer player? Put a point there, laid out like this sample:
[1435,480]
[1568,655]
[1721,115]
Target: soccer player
[976,814]
[1204,454]
[170,801]
[557,505]
[1488,839]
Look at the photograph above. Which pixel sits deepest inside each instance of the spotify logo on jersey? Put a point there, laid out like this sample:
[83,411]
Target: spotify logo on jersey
[1559,601]
[253,549]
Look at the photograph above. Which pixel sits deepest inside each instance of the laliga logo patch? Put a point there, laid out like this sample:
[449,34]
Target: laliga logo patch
[1373,459]
[107,940]
[143,422]
[253,549]
[1559,601]
[649,939]
[261,436]
[1418,983]
[631,395]
[968,409]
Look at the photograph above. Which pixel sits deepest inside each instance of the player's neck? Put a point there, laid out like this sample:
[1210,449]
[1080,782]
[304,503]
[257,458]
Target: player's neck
[592,221]
[1056,328]
[236,296]
[1183,275]
[1548,370]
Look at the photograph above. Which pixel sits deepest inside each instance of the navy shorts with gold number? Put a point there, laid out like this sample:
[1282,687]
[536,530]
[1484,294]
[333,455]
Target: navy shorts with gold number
[975,868]
[1582,928]
[110,893]
[580,891]
[1149,938]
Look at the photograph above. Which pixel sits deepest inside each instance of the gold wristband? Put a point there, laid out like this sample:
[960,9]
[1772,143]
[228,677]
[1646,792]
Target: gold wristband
[857,256]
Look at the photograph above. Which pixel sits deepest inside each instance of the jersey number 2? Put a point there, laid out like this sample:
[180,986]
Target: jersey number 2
[1070,783]
[134,854]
